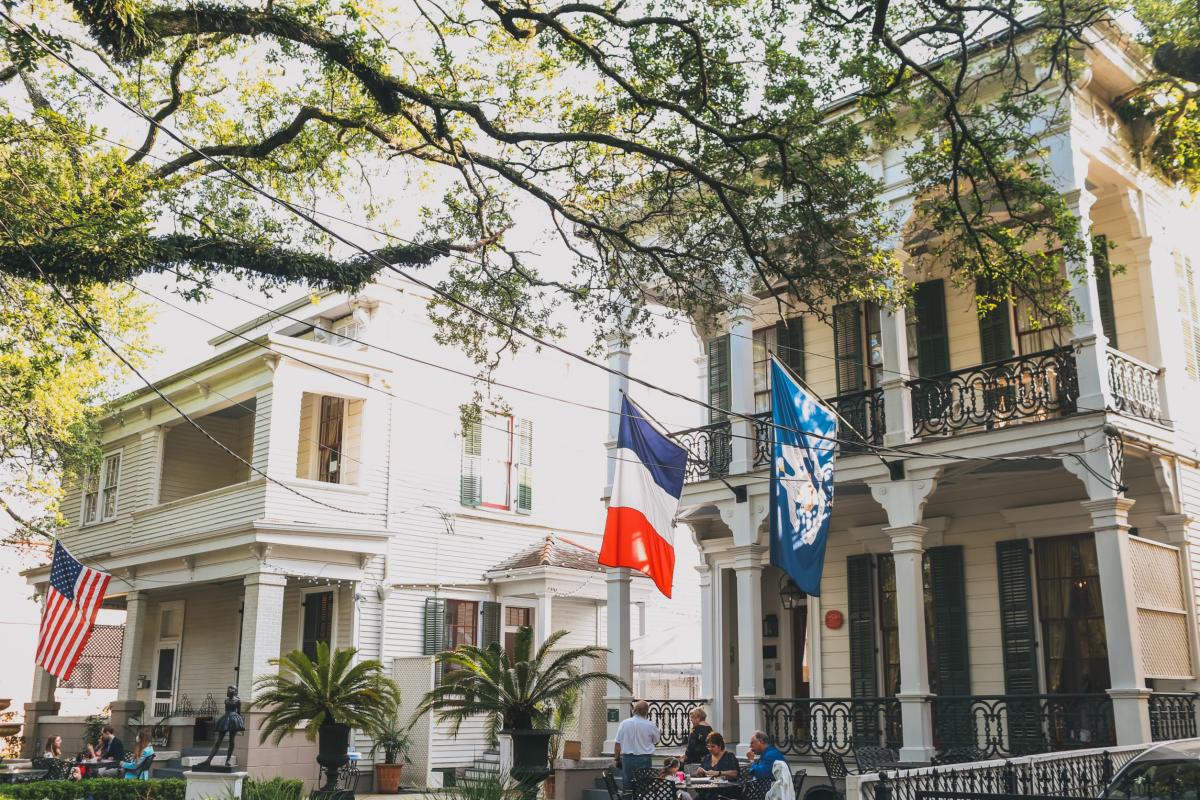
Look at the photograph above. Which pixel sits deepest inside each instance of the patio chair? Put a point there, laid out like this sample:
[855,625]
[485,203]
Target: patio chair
[56,768]
[610,785]
[798,778]
[869,758]
[642,776]
[959,755]
[655,789]
[836,770]
[142,772]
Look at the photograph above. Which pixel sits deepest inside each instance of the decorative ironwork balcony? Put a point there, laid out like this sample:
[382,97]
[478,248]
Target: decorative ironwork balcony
[710,450]
[1172,716]
[1027,388]
[810,726]
[671,718]
[1134,385]
[862,410]
[1015,725]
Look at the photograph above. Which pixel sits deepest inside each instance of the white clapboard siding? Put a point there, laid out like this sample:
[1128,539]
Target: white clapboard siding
[192,463]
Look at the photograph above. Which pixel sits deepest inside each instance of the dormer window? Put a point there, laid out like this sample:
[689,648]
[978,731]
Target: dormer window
[345,332]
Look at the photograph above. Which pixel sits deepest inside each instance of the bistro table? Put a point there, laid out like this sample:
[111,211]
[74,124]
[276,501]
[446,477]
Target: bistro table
[90,767]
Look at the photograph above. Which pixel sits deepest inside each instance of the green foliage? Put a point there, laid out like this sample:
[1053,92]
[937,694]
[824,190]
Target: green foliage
[332,688]
[488,787]
[273,789]
[513,692]
[96,789]
[392,739]
[93,726]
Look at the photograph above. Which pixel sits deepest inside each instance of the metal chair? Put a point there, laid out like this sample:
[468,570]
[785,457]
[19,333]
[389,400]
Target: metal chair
[610,785]
[655,789]
[56,768]
[869,758]
[836,770]
[959,755]
[642,776]
[798,778]
[755,789]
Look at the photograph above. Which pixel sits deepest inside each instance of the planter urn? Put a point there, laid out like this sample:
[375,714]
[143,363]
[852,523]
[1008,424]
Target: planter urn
[333,739]
[387,778]
[530,754]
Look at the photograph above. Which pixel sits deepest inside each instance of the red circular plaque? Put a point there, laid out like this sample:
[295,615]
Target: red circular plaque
[833,619]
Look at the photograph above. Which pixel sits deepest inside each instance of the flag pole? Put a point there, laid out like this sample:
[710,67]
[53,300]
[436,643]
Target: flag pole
[804,385]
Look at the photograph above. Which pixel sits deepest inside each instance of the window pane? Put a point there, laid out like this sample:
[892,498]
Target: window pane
[765,342]
[462,618]
[497,459]
[329,455]
[515,617]
[1072,619]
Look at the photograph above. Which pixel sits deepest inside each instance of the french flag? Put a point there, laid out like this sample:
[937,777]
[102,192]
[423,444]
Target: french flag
[648,480]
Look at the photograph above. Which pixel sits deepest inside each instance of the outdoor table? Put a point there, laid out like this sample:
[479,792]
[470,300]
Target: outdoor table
[90,767]
[21,775]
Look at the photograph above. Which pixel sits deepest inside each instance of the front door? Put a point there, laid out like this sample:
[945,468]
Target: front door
[166,670]
[800,665]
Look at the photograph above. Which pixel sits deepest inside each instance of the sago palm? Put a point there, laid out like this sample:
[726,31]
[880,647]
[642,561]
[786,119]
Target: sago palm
[333,689]
[516,691]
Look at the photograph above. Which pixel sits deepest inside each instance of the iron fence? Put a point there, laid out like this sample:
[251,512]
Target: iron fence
[1172,716]
[1014,725]
[671,717]
[805,726]
[710,450]
[1134,386]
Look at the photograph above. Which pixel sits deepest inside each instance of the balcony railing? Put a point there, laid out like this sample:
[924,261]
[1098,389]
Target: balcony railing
[710,449]
[1026,388]
[671,719]
[863,427]
[1172,716]
[811,726]
[1134,386]
[994,726]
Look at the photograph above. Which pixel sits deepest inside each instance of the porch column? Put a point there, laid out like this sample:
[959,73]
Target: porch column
[897,400]
[545,618]
[127,706]
[709,654]
[262,628]
[741,385]
[748,570]
[620,661]
[1130,697]
[41,703]
[620,656]
[907,552]
[1087,334]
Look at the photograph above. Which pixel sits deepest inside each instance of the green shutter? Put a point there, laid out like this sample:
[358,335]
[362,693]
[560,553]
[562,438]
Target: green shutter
[470,482]
[719,393]
[952,664]
[860,608]
[1018,640]
[491,622]
[789,341]
[435,626]
[847,347]
[995,331]
[525,466]
[933,340]
[1108,316]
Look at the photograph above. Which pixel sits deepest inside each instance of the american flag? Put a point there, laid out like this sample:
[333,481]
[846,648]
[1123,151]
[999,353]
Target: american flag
[72,601]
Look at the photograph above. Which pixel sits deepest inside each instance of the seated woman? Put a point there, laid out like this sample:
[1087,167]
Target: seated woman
[57,768]
[141,750]
[719,763]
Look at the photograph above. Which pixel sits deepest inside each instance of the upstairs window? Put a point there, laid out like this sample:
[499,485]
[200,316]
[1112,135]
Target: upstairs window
[345,331]
[100,490]
[497,463]
[329,442]
[784,339]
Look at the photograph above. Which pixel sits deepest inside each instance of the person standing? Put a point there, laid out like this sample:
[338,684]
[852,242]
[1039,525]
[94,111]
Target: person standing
[697,741]
[636,739]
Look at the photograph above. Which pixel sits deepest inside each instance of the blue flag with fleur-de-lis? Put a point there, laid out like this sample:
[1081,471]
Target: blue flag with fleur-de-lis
[805,433]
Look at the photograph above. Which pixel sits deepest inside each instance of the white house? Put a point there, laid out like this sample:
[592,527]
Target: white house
[334,491]
[1023,576]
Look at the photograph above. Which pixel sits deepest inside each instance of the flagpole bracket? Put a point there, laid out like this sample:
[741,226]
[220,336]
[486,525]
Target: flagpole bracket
[739,493]
[896,469]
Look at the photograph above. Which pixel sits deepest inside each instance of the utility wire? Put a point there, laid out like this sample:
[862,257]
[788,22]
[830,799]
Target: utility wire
[446,296]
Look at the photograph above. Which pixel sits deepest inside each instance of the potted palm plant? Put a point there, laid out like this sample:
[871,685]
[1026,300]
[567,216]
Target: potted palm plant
[392,739]
[327,697]
[518,693]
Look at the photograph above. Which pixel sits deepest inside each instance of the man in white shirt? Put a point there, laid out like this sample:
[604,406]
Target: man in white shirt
[636,739]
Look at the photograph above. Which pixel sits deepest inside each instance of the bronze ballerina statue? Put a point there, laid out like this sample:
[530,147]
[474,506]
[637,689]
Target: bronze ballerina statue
[231,722]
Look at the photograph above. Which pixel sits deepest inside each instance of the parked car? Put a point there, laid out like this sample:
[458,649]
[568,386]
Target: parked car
[1169,771]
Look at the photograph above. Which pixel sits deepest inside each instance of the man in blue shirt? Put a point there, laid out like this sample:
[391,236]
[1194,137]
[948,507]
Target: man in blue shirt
[763,756]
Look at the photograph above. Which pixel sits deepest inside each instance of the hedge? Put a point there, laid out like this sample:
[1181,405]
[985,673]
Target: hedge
[98,788]
[274,789]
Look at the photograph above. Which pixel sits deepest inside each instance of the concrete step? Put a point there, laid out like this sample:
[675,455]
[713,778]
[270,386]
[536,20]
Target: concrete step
[594,794]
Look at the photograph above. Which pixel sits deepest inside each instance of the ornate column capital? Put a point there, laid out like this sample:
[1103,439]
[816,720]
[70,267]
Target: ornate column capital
[907,538]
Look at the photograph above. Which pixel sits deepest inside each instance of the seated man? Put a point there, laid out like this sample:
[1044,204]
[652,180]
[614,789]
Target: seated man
[111,749]
[763,756]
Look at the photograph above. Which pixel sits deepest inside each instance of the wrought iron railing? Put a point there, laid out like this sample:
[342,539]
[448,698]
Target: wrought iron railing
[994,726]
[863,424]
[1031,387]
[1134,386]
[1172,716]
[1077,773]
[710,449]
[671,717]
[810,726]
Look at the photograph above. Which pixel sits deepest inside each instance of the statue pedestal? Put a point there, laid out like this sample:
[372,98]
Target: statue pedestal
[213,785]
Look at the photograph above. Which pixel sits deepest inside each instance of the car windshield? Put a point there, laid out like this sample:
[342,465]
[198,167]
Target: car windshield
[1170,780]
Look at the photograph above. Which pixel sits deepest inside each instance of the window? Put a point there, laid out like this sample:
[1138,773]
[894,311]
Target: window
[1075,650]
[856,325]
[316,624]
[343,332]
[515,618]
[100,490]
[1036,330]
[462,623]
[889,625]
[1189,314]
[765,343]
[497,463]
[328,444]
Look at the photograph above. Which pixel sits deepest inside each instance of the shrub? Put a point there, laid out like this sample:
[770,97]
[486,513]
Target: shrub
[97,788]
[274,789]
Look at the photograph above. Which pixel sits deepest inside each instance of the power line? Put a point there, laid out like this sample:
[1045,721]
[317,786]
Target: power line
[448,297]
